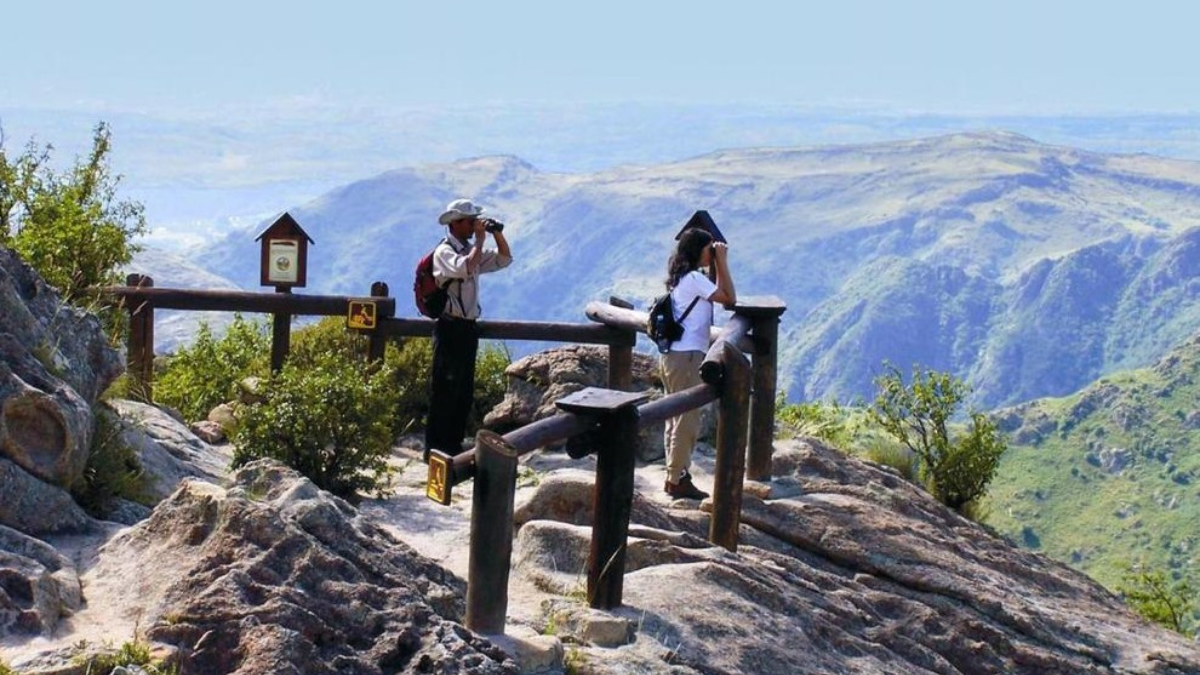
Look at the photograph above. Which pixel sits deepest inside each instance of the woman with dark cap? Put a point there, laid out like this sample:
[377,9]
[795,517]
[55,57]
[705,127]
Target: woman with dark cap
[692,298]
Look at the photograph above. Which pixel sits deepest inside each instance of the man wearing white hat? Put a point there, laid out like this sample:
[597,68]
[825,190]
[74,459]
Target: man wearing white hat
[457,265]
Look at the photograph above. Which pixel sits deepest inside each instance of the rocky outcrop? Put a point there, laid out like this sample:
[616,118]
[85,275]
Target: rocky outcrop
[537,381]
[167,450]
[38,585]
[275,576]
[860,573]
[54,363]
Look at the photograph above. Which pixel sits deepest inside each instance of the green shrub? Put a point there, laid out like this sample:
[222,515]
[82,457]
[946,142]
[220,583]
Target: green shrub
[5,670]
[410,363]
[490,382]
[1155,598]
[895,455]
[132,653]
[826,421]
[113,470]
[205,374]
[956,470]
[328,419]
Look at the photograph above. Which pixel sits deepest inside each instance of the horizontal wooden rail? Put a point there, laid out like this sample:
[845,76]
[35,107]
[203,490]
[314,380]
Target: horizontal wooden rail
[563,426]
[518,330]
[243,301]
[633,320]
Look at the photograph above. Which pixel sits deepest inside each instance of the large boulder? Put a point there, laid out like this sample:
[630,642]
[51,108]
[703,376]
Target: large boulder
[273,575]
[167,450]
[538,380]
[859,572]
[54,362]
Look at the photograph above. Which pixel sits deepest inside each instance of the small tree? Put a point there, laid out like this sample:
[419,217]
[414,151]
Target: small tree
[957,471]
[1151,595]
[70,227]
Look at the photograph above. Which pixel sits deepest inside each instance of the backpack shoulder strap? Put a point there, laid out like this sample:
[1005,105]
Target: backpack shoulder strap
[689,309]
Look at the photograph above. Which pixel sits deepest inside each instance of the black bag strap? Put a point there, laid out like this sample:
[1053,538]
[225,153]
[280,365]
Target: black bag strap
[689,309]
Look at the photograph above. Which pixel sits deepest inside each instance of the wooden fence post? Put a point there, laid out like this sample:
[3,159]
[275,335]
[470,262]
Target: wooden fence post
[139,361]
[620,357]
[491,533]
[611,507]
[281,335]
[377,340]
[731,448]
[612,500]
[763,312]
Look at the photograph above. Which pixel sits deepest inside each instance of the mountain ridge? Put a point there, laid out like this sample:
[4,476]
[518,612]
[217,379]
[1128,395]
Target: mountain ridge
[805,225]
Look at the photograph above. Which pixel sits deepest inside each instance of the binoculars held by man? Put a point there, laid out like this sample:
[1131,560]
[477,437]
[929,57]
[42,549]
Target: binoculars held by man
[493,225]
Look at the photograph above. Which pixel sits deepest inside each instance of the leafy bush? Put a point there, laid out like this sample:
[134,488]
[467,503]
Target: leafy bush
[69,226]
[113,470]
[205,374]
[1155,598]
[328,419]
[5,670]
[957,471]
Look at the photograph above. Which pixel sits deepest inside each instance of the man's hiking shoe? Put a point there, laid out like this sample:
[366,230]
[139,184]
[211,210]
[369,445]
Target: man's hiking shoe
[684,489]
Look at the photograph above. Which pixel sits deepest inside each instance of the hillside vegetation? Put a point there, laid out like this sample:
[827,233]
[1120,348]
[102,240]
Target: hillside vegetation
[1109,477]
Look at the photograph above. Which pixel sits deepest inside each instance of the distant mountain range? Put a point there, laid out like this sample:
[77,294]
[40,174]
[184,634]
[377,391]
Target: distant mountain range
[1028,269]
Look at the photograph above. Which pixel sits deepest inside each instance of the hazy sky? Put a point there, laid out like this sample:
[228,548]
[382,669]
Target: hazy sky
[960,56]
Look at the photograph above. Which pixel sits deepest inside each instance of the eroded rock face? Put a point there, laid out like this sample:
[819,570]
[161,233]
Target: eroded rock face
[859,573]
[538,380]
[276,576]
[54,362]
[38,586]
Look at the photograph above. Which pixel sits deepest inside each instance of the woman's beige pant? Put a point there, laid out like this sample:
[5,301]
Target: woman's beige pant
[681,370]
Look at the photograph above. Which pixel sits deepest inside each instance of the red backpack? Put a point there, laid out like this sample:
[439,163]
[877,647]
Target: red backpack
[430,297]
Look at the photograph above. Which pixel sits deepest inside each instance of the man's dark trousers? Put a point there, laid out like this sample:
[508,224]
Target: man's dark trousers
[455,343]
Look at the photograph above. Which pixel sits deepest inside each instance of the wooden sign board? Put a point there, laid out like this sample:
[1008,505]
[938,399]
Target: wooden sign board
[437,486]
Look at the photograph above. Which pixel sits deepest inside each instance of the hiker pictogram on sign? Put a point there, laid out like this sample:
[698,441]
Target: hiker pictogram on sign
[361,314]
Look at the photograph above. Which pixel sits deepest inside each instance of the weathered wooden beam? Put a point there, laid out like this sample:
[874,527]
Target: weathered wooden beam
[490,557]
[376,341]
[518,330]
[674,405]
[242,301]
[634,320]
[735,330]
[140,346]
[730,468]
[762,401]
[612,504]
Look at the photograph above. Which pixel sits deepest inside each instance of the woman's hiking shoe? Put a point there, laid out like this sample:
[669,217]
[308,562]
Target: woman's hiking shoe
[684,489]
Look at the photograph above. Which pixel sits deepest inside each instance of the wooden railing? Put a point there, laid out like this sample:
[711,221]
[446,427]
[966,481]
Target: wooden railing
[600,421]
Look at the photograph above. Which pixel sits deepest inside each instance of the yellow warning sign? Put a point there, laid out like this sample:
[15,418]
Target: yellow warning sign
[437,487]
[361,315]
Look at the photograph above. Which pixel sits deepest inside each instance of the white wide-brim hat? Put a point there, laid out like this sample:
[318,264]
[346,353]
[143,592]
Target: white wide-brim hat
[459,208]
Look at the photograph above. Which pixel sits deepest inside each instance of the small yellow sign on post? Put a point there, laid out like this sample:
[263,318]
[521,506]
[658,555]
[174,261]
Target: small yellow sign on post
[437,486]
[361,314]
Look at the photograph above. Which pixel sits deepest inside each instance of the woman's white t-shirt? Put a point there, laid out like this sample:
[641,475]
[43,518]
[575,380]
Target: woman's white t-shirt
[697,324]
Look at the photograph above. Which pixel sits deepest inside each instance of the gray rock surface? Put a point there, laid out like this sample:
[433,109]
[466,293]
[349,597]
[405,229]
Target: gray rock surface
[168,451]
[865,573]
[54,363]
[35,507]
[275,576]
[38,586]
